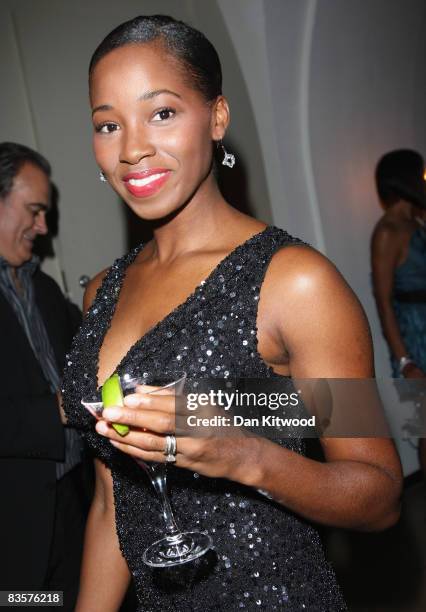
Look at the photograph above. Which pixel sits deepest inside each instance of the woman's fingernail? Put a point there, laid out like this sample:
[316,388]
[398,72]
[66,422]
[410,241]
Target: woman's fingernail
[132,401]
[101,427]
[112,414]
[135,400]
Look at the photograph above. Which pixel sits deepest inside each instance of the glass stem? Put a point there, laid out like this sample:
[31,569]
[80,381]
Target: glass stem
[158,476]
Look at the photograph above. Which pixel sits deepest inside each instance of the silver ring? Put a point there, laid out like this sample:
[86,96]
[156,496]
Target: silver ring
[170,450]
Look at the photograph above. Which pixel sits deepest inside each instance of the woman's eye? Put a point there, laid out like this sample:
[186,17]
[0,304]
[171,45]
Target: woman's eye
[164,114]
[107,128]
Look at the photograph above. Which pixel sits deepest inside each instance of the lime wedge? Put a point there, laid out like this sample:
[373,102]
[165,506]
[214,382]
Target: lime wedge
[112,395]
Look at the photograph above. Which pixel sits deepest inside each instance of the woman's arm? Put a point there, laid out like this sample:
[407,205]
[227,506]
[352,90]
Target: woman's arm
[317,321]
[385,250]
[325,333]
[357,488]
[104,574]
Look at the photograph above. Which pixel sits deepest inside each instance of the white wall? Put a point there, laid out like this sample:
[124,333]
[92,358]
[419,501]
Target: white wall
[363,102]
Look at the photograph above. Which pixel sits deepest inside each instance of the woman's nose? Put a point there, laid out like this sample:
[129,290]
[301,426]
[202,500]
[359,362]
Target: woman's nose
[136,146]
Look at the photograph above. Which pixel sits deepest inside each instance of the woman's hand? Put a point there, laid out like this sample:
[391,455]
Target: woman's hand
[151,417]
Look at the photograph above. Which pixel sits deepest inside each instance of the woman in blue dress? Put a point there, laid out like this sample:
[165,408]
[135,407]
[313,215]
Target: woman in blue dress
[399,264]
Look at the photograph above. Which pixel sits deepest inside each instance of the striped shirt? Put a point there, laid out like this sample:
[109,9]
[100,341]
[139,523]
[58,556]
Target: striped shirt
[24,305]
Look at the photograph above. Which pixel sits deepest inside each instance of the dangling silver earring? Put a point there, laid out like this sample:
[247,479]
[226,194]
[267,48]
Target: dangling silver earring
[228,158]
[102,177]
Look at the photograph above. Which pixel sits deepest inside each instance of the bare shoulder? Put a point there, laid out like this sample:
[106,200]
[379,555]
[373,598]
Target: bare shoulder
[302,271]
[315,314]
[301,280]
[385,229]
[91,289]
[387,239]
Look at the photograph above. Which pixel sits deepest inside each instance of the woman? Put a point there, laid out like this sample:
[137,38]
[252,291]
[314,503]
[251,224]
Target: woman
[398,250]
[158,113]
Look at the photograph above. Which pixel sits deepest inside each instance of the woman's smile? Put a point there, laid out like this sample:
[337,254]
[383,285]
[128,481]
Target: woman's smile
[147,182]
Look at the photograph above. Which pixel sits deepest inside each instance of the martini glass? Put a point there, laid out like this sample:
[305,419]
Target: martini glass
[176,547]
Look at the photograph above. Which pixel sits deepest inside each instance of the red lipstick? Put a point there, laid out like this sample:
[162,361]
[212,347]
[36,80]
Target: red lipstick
[146,182]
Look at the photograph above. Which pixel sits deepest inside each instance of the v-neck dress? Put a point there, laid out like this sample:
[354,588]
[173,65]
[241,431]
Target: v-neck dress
[264,557]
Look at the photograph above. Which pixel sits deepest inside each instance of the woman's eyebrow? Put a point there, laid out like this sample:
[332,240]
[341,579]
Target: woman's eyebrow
[102,107]
[156,92]
[146,96]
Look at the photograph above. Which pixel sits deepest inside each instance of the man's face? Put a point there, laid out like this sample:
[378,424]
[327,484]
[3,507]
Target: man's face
[23,214]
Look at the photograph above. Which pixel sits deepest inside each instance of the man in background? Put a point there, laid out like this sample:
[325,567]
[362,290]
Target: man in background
[42,508]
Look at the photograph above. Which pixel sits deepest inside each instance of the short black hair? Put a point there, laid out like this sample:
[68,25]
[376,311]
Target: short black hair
[400,174]
[12,157]
[183,42]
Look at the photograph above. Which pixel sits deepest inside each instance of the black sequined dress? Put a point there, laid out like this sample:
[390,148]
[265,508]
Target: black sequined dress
[265,557]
